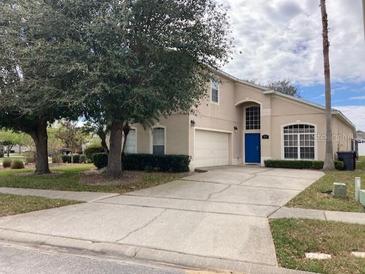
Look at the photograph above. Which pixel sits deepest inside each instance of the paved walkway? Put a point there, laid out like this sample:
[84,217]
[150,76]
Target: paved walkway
[324,215]
[57,194]
[213,220]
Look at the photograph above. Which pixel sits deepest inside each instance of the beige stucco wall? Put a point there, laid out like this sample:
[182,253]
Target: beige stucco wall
[276,112]
[223,117]
[286,111]
[177,135]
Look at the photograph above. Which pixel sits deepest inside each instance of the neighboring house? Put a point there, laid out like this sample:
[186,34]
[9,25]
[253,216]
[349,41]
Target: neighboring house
[361,147]
[241,123]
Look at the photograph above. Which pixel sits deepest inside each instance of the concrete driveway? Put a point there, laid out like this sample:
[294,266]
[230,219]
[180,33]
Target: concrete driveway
[213,219]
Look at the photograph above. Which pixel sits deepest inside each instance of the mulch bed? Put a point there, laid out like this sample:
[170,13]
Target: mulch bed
[97,177]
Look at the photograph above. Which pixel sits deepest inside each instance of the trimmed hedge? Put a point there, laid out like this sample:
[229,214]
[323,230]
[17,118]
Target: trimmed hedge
[17,164]
[294,164]
[91,150]
[6,163]
[100,160]
[339,165]
[77,159]
[150,162]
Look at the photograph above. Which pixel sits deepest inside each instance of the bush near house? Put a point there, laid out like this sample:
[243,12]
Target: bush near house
[6,163]
[170,163]
[77,159]
[339,165]
[17,164]
[294,164]
[91,150]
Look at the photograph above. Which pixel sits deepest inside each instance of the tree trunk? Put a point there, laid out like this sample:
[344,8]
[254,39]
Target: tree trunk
[114,168]
[126,130]
[328,162]
[40,138]
[102,135]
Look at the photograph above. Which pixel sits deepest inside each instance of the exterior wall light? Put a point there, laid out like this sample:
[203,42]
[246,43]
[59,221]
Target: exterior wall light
[192,123]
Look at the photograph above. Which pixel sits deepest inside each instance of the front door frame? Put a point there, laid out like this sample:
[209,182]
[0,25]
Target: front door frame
[245,151]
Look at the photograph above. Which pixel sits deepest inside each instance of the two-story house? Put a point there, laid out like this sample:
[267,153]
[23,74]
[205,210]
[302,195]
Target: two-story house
[241,123]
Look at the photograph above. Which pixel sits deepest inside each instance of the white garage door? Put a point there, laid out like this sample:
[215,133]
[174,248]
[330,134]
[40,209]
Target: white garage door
[211,148]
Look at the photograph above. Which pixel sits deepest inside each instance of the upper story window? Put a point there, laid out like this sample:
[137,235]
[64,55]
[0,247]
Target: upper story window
[299,142]
[253,120]
[158,141]
[214,96]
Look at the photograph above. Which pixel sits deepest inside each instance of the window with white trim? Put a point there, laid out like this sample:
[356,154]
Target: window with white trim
[299,142]
[215,92]
[253,118]
[158,141]
[131,143]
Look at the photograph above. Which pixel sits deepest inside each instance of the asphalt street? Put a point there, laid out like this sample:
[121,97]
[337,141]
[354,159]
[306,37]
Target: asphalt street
[16,259]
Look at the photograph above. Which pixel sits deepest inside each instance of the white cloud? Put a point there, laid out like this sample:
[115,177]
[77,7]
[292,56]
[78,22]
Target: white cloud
[356,114]
[357,98]
[281,39]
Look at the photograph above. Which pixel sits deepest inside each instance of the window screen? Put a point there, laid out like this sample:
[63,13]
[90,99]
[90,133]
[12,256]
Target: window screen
[158,135]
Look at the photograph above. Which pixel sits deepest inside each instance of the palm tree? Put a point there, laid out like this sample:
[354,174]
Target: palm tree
[363,7]
[328,162]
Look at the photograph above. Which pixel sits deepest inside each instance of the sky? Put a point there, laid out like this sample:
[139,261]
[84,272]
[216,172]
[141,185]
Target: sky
[281,40]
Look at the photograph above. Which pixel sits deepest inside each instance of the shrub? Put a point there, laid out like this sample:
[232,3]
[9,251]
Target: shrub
[1,154]
[294,164]
[100,160]
[339,165]
[148,162]
[17,164]
[91,150]
[6,163]
[66,159]
[76,159]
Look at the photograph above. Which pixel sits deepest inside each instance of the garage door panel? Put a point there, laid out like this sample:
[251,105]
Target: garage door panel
[211,148]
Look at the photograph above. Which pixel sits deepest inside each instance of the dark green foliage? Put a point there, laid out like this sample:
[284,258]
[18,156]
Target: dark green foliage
[339,165]
[91,150]
[148,162]
[6,163]
[76,159]
[100,160]
[294,164]
[17,164]
[66,159]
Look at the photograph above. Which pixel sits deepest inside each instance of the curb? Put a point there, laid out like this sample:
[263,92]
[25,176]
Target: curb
[142,253]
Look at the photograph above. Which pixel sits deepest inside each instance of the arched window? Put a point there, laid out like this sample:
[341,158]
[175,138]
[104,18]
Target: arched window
[299,142]
[253,118]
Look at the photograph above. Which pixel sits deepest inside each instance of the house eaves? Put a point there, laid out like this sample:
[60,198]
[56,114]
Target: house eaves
[335,112]
[237,80]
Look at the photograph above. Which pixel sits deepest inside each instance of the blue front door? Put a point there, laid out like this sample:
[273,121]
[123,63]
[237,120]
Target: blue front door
[253,148]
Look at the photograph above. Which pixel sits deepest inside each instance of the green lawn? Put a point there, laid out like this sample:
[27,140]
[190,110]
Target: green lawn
[293,238]
[317,196]
[14,204]
[68,178]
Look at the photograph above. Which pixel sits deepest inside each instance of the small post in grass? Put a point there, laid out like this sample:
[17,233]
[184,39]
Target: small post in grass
[357,188]
[339,190]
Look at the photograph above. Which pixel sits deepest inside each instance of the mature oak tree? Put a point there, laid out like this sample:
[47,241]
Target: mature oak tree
[144,58]
[36,71]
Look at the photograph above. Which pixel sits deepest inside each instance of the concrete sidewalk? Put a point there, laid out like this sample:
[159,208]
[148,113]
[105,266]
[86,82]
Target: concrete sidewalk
[323,215]
[57,194]
[215,220]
